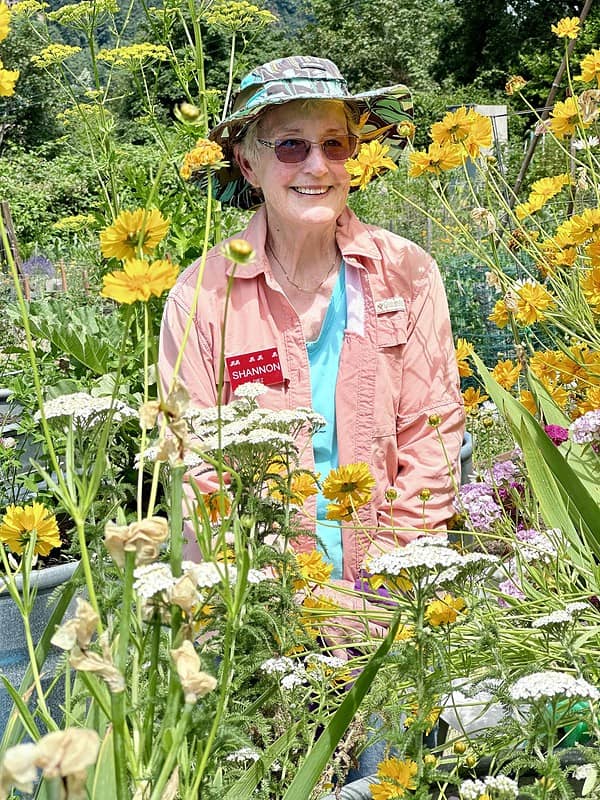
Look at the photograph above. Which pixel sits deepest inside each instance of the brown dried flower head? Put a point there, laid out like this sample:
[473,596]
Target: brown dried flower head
[78,630]
[143,538]
[194,681]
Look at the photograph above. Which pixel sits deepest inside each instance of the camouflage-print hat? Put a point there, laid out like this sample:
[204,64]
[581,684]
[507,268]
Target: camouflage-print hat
[380,113]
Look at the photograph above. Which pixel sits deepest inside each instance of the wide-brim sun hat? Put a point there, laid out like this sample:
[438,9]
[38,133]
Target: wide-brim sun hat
[383,114]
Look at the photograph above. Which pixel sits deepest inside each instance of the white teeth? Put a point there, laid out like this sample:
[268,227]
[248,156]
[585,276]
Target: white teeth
[304,190]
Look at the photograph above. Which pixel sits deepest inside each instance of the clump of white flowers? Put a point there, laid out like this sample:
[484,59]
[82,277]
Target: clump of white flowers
[550,684]
[497,787]
[85,408]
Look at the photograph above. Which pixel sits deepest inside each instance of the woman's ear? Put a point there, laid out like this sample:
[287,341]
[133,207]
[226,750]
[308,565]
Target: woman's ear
[245,165]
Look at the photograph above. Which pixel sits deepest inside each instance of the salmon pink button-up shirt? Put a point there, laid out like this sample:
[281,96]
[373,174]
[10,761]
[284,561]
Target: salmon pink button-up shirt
[397,368]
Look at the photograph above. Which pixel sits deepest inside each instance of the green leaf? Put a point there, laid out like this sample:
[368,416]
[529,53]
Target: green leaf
[244,787]
[561,493]
[312,768]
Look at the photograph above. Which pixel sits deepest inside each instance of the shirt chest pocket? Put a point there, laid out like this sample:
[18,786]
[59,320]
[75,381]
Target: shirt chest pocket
[391,329]
[392,336]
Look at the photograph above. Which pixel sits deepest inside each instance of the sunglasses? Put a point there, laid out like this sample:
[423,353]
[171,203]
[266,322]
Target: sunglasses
[294,151]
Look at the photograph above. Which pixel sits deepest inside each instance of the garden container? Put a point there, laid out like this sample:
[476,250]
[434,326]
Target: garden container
[14,658]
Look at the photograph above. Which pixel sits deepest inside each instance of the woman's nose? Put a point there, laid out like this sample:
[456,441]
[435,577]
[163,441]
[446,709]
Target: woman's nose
[316,162]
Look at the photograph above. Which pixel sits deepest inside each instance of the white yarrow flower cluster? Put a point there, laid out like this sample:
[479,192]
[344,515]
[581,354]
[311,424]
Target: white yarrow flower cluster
[84,408]
[562,616]
[549,684]
[327,661]
[471,562]
[207,574]
[292,673]
[250,390]
[418,554]
[242,755]
[281,665]
[152,579]
[499,787]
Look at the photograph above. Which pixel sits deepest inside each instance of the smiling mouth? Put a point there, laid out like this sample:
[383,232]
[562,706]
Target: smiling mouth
[306,190]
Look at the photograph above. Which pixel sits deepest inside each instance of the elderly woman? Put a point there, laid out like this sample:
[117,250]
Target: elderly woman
[346,318]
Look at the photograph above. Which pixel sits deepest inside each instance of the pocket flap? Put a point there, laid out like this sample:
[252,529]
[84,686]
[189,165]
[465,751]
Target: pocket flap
[392,329]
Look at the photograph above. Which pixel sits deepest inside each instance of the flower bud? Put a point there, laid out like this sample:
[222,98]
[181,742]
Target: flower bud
[434,420]
[460,748]
[239,251]
[391,494]
[188,112]
[406,129]
[425,495]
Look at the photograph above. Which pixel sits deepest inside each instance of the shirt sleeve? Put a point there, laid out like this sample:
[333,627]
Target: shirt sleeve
[429,426]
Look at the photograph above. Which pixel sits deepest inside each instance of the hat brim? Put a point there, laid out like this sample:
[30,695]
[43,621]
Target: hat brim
[381,113]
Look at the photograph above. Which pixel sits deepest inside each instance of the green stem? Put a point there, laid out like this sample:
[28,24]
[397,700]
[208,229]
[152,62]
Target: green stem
[117,705]
[146,747]
[87,568]
[178,737]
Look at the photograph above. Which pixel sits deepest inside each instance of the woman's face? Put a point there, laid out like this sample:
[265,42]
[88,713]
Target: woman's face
[312,192]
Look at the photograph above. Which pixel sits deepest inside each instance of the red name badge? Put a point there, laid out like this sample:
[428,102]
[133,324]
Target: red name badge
[262,366]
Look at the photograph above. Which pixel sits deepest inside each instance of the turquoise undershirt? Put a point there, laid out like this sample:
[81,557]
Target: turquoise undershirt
[324,359]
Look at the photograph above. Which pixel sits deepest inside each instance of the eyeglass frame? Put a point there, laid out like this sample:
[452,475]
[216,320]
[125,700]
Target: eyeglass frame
[275,144]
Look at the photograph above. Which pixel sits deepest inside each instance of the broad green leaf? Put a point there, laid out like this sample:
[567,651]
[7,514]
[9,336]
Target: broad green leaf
[582,459]
[581,505]
[550,497]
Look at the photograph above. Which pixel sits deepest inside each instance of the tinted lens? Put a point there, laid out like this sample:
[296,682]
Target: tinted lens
[292,151]
[340,148]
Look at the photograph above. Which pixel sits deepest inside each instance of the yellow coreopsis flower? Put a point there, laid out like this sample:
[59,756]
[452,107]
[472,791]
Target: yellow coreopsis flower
[567,27]
[586,226]
[545,364]
[396,778]
[4,20]
[139,280]
[590,68]
[351,484]
[590,284]
[592,251]
[444,611]
[564,236]
[302,486]
[465,127]
[20,522]
[438,158]
[527,400]
[372,158]
[565,118]
[463,350]
[472,399]
[131,230]
[591,400]
[535,203]
[533,300]
[499,315]
[8,79]
[312,568]
[506,373]
[339,511]
[454,127]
